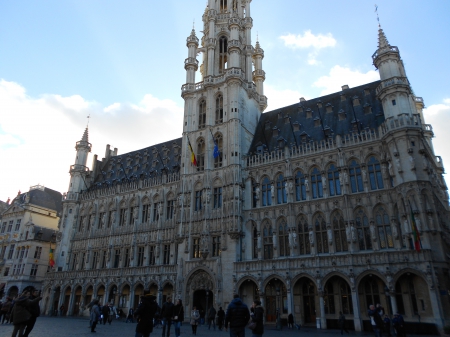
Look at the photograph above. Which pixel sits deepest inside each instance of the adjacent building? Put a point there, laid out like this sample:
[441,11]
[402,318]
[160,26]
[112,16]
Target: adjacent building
[327,205]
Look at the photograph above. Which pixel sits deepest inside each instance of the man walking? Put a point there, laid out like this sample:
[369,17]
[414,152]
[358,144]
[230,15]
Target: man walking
[167,315]
[220,318]
[237,316]
[212,318]
[34,310]
[375,320]
[112,312]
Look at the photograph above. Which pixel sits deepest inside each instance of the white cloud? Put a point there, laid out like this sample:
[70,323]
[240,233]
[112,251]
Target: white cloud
[280,98]
[38,135]
[438,115]
[339,76]
[307,41]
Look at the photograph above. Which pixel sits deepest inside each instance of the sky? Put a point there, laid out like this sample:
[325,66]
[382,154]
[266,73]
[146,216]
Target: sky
[122,63]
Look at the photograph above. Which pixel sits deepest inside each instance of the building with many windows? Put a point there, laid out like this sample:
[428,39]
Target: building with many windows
[29,227]
[314,208]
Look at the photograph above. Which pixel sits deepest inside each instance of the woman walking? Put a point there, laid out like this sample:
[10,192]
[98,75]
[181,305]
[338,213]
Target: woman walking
[178,316]
[195,316]
[257,316]
[145,313]
[95,314]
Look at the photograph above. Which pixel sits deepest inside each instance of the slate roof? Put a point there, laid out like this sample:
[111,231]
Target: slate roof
[44,234]
[308,122]
[146,163]
[47,198]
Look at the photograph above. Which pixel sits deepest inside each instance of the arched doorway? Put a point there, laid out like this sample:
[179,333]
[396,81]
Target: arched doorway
[124,300]
[200,284]
[13,291]
[112,295]
[77,301]
[337,297]
[138,292]
[305,294]
[167,292]
[275,299]
[89,294]
[203,300]
[153,290]
[248,292]
[101,294]
[372,290]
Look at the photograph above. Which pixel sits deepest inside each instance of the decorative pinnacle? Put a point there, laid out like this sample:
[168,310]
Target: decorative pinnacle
[382,40]
[85,136]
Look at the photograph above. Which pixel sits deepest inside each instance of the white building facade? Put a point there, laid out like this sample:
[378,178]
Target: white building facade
[308,208]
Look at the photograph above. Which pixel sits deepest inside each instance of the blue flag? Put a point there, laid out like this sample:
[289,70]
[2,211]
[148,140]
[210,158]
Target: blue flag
[216,150]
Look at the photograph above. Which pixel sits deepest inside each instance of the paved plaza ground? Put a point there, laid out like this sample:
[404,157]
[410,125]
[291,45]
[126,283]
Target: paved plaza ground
[68,327]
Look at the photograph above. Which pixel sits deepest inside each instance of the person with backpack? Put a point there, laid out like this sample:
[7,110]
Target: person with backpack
[237,317]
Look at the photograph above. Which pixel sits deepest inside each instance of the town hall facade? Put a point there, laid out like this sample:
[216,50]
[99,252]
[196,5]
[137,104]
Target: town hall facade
[314,208]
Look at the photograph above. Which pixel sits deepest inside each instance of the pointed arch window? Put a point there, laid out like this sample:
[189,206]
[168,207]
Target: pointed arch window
[219,109]
[303,236]
[371,291]
[255,241]
[384,228]
[266,192]
[223,54]
[300,188]
[356,181]
[340,237]
[333,181]
[316,184]
[345,295]
[202,114]
[223,6]
[268,242]
[320,227]
[283,239]
[362,227]
[328,298]
[255,194]
[201,155]
[219,141]
[281,190]
[375,177]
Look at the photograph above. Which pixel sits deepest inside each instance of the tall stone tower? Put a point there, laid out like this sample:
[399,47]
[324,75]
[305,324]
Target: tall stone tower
[221,113]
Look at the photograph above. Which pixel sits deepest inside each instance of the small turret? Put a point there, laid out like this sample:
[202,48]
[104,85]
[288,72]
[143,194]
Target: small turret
[191,63]
[259,75]
[79,171]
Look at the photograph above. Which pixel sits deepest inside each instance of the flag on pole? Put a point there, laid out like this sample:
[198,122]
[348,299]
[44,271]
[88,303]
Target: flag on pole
[415,232]
[51,260]
[216,152]
[193,159]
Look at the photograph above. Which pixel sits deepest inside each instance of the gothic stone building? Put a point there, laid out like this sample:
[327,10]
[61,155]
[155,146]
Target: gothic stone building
[308,208]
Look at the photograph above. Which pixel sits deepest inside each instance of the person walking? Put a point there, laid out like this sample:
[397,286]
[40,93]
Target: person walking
[342,324]
[6,308]
[130,316]
[95,314]
[399,325]
[257,316]
[195,317]
[178,316]
[21,312]
[105,312]
[167,315]
[212,318]
[34,309]
[375,320]
[290,321]
[237,316]
[387,325]
[220,318]
[145,313]
[112,312]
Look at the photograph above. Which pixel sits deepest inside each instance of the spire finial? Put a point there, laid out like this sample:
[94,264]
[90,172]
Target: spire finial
[378,17]
[88,119]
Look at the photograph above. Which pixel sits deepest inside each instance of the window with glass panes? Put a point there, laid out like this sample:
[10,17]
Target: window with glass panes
[345,296]
[6,271]
[255,241]
[145,212]
[328,298]
[266,192]
[316,184]
[198,201]
[37,253]
[101,216]
[166,255]
[74,261]
[217,197]
[123,217]
[283,239]
[300,188]
[11,251]
[216,246]
[281,190]
[34,268]
[371,291]
[116,258]
[4,227]
[126,263]
[81,226]
[356,181]
[140,257]
[22,252]
[83,257]
[170,205]
[383,224]
[196,248]
[375,177]
[219,109]
[255,195]
[200,155]
[151,256]
[363,229]
[10,225]
[202,114]
[218,159]
[104,259]
[94,259]
[18,224]
[340,237]
[3,252]
[334,184]
[320,227]
[303,236]
[268,242]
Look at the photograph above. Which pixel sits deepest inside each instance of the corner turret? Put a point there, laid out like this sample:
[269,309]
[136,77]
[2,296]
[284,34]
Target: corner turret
[79,171]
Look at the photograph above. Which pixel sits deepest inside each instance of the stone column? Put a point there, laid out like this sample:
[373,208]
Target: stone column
[356,311]
[50,308]
[323,319]
[393,304]
[131,298]
[72,297]
[62,297]
[290,302]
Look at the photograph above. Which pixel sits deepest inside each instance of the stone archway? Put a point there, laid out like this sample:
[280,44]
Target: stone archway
[275,299]
[200,283]
[306,300]
[249,291]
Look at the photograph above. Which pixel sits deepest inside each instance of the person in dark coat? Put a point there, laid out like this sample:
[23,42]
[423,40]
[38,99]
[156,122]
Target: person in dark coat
[21,312]
[212,318]
[166,315]
[145,313]
[95,314]
[130,316]
[375,320]
[341,322]
[399,325]
[257,316]
[35,311]
[178,316]
[105,313]
[290,321]
[387,325]
[6,308]
[220,318]
[237,317]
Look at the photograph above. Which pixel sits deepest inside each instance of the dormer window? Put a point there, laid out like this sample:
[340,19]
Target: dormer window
[268,125]
[287,119]
[280,115]
[342,115]
[223,53]
[367,109]
[356,101]
[275,132]
[366,92]
[343,98]
[281,142]
[300,108]
[329,108]
[319,104]
[155,162]
[308,113]
[316,121]
[304,137]
[202,114]
[296,126]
